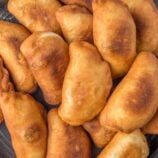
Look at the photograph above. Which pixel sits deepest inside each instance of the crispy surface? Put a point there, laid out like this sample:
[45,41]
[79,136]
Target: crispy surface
[86,85]
[114,34]
[5,84]
[11,37]
[145,14]
[65,140]
[47,56]
[101,136]
[133,145]
[75,22]
[25,120]
[152,126]
[134,101]
[36,15]
[85,3]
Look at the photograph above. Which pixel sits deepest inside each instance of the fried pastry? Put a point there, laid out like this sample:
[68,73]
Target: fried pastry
[145,14]
[101,136]
[25,119]
[65,140]
[75,22]
[132,145]
[114,34]
[47,56]
[11,37]
[36,15]
[134,101]
[86,85]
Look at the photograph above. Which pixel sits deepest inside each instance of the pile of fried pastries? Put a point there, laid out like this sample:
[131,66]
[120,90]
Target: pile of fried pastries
[95,59]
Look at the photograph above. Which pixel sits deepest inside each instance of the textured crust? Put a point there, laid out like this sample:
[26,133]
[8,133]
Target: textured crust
[85,3]
[145,14]
[101,136]
[11,37]
[114,34]
[134,101]
[133,145]
[5,84]
[152,126]
[65,140]
[83,94]
[26,122]
[75,22]
[47,56]
[36,15]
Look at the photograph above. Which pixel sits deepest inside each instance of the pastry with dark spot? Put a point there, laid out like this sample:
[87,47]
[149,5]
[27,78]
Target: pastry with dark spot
[25,119]
[145,14]
[114,34]
[134,101]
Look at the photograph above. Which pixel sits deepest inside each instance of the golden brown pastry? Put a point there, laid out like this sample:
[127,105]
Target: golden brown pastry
[25,120]
[11,37]
[65,140]
[101,136]
[47,56]
[36,15]
[86,85]
[145,14]
[132,145]
[134,101]
[75,22]
[114,34]
[5,84]
[85,3]
[152,126]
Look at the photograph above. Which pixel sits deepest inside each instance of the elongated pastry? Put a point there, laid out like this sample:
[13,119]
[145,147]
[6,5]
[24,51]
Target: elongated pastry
[75,22]
[152,126]
[65,140]
[101,136]
[85,3]
[25,120]
[5,84]
[36,15]
[134,101]
[132,145]
[47,56]
[145,14]
[114,34]
[11,37]
[86,85]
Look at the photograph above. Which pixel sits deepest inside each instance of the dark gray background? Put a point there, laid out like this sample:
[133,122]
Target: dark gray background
[6,150]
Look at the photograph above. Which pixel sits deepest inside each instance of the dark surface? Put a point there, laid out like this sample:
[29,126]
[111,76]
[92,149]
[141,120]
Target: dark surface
[6,150]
